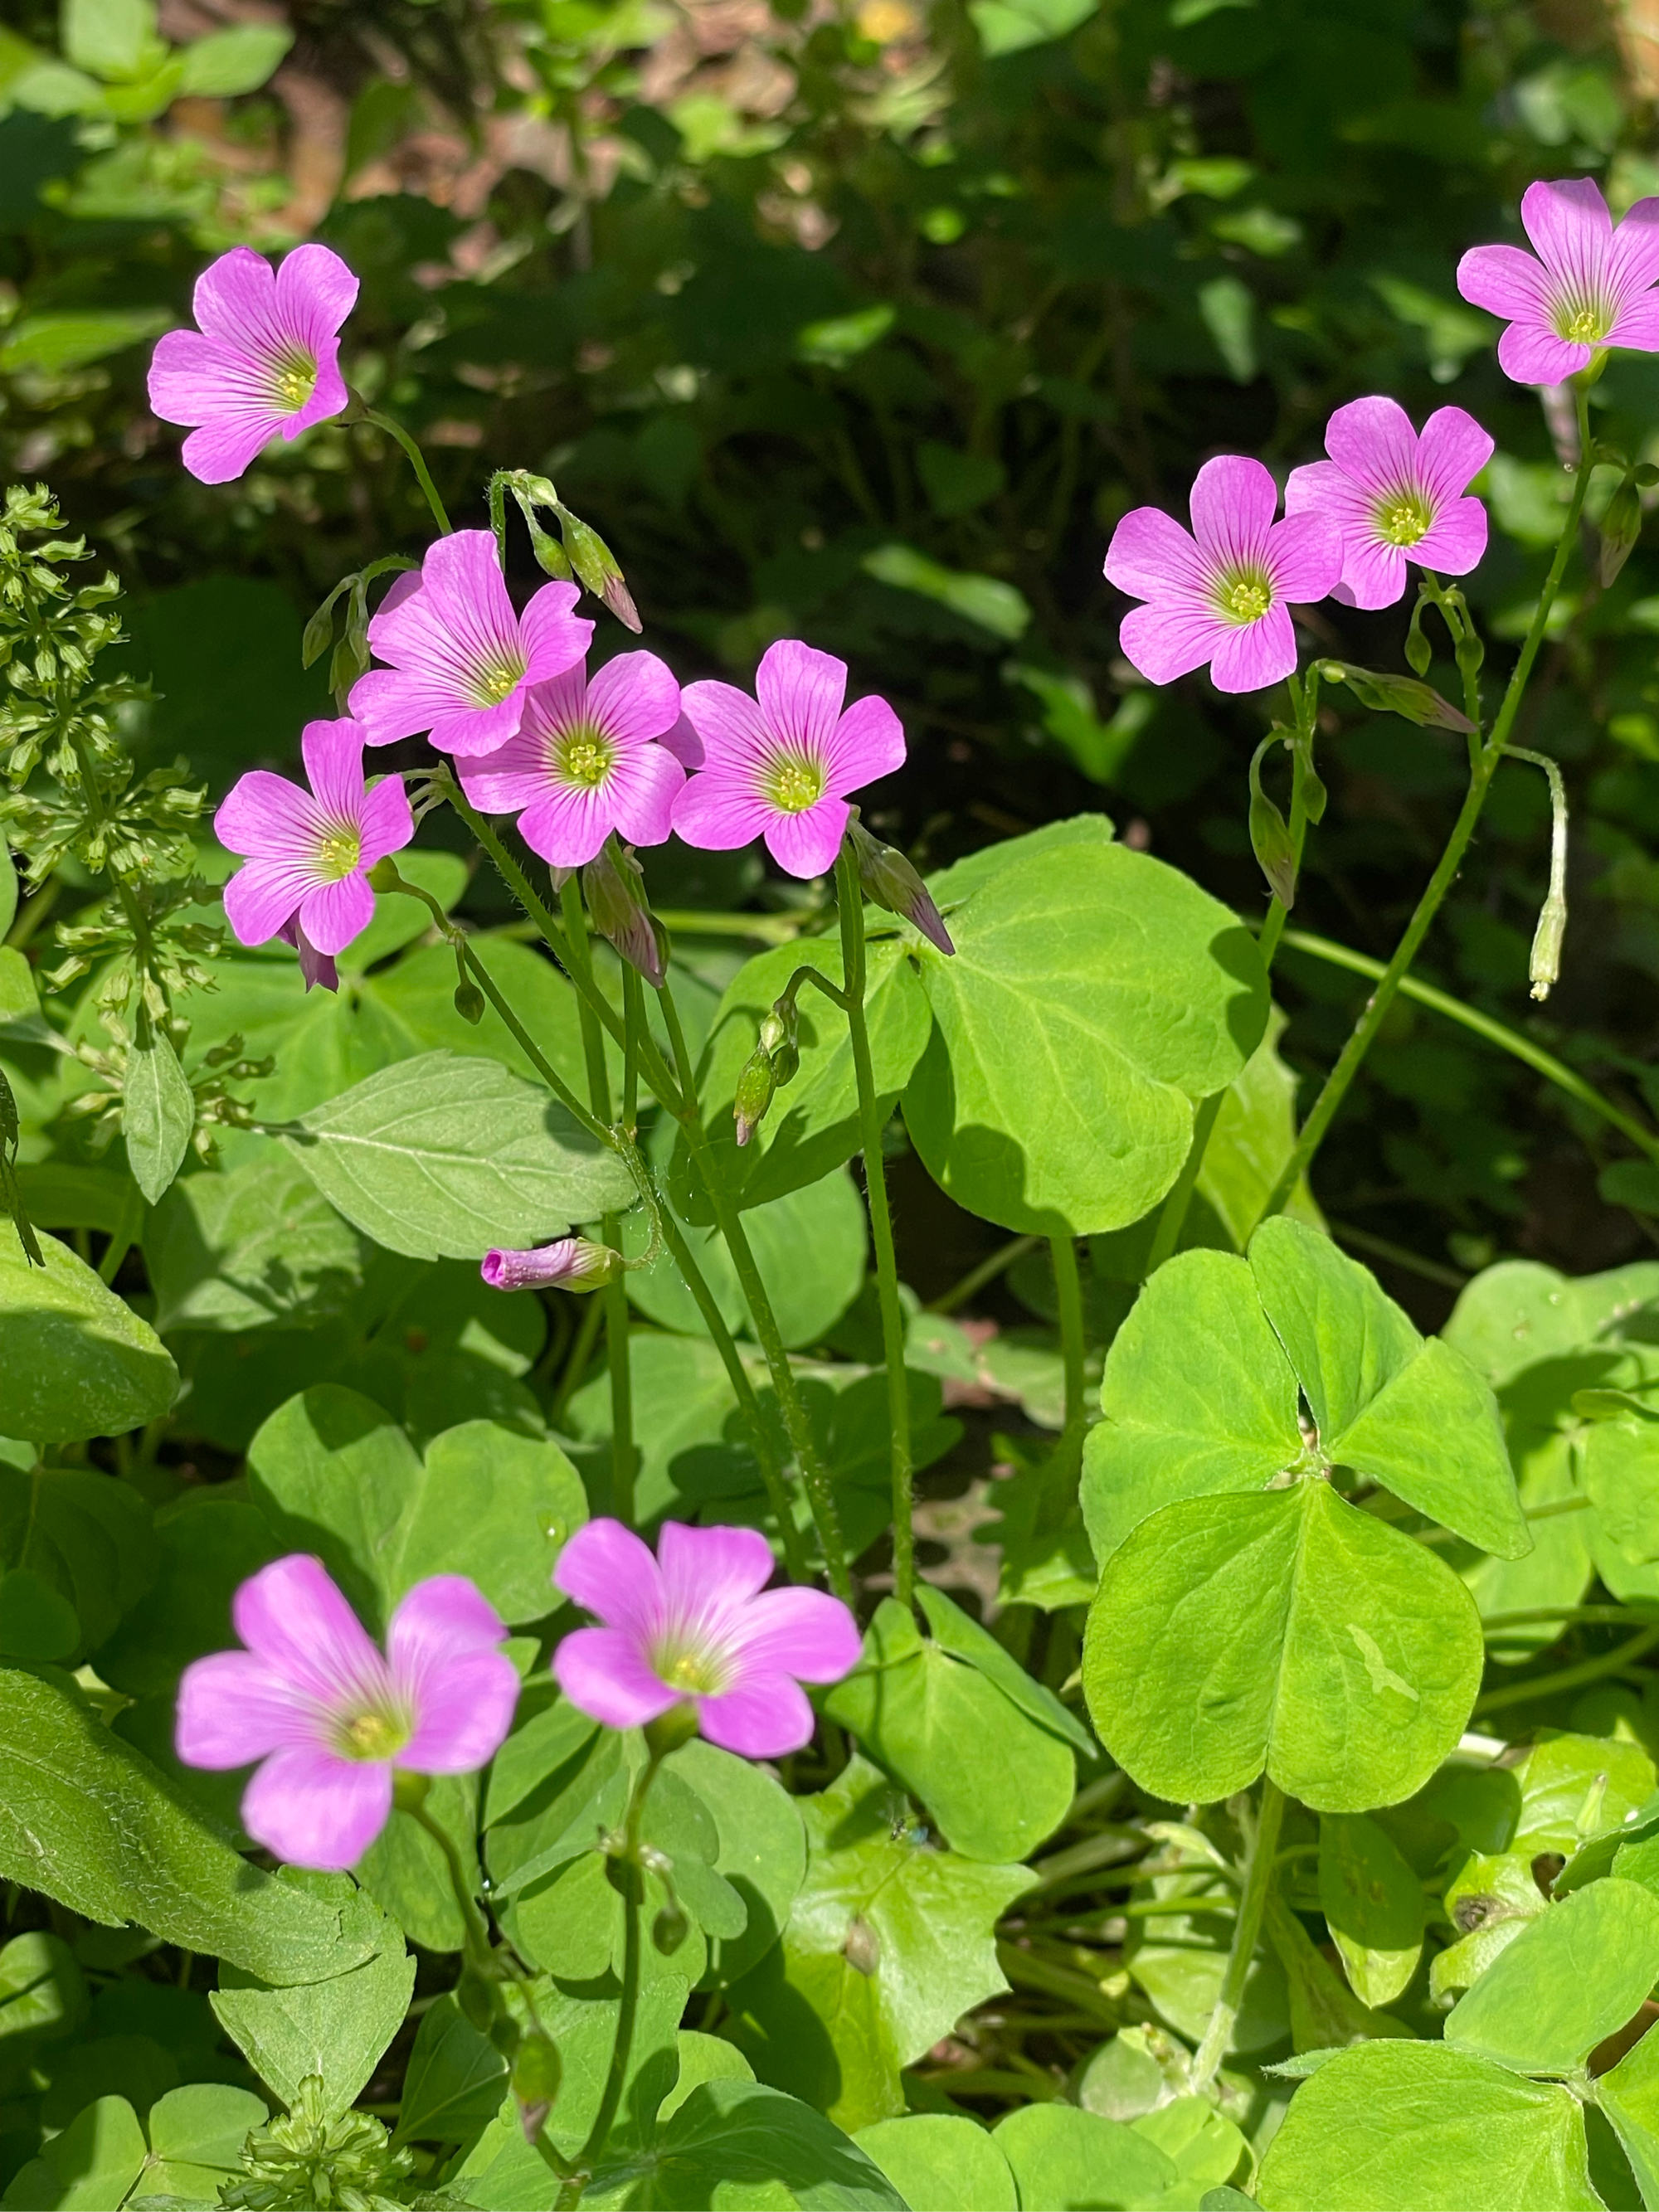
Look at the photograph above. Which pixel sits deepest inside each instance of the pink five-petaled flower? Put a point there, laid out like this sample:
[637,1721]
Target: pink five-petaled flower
[1590,286]
[1396,496]
[265,359]
[460,662]
[308,851]
[782,766]
[584,762]
[697,1623]
[1224,594]
[329,1717]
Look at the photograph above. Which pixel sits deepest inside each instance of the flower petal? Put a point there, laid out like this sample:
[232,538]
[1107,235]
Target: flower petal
[1637,327]
[315,293]
[1167,640]
[439,1628]
[805,1632]
[513,775]
[469,732]
[235,297]
[1373,573]
[717,813]
[733,731]
[805,844]
[233,1709]
[262,814]
[554,638]
[683,741]
[1234,501]
[292,1616]
[604,1675]
[1528,355]
[1373,440]
[312,1809]
[800,692]
[386,822]
[635,697]
[393,702]
[711,1571]
[1568,223]
[767,1717]
[566,824]
[1451,453]
[1457,542]
[1256,653]
[331,915]
[1304,556]
[223,448]
[465,1715]
[1633,261]
[262,897]
[187,374]
[1504,281]
[607,1569]
[868,742]
[1151,557]
[333,754]
[642,788]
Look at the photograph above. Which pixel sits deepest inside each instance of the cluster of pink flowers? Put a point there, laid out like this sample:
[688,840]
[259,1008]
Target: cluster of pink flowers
[331,1720]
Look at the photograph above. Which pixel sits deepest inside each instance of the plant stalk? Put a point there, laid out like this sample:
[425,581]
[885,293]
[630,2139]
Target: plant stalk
[1246,1929]
[417,462]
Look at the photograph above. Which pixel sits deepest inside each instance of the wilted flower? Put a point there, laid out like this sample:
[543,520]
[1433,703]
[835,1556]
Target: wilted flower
[308,853]
[583,763]
[460,662]
[574,1263]
[782,766]
[316,967]
[1223,595]
[1590,286]
[330,1718]
[697,1624]
[1396,496]
[266,359]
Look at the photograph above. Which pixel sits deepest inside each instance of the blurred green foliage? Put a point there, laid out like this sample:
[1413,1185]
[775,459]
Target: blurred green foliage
[866,323]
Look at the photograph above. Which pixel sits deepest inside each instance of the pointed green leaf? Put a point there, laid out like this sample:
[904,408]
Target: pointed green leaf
[158,1110]
[1620,1472]
[455,2080]
[1629,2095]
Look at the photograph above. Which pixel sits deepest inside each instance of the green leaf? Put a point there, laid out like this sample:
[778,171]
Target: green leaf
[1629,2095]
[108,37]
[195,2138]
[1325,2014]
[942,2159]
[405,1872]
[762,1851]
[333,1473]
[813,1124]
[79,1362]
[960,1634]
[89,2168]
[444,1157]
[88,1820]
[890,1941]
[1567,1981]
[1179,1959]
[76,1536]
[740,2142]
[987,602]
[207,1544]
[827,1219]
[1062,2157]
[41,1991]
[52,344]
[1285,1630]
[8,894]
[1574,1785]
[1344,1338]
[703,2058]
[227,64]
[1095,995]
[158,1110]
[1373,1905]
[455,2080]
[1517,1313]
[996,1781]
[1206,2148]
[1619,1461]
[335,2029]
[1415,2124]
[260,1245]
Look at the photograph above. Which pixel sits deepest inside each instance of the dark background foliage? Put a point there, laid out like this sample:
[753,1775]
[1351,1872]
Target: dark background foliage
[866,324]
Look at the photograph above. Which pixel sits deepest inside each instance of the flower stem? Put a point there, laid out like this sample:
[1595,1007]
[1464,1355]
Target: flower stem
[475,1945]
[1567,1678]
[1258,1877]
[820,1496]
[1377,1007]
[417,462]
[1068,1288]
[850,899]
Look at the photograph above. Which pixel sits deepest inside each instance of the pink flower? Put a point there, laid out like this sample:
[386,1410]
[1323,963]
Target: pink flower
[329,1718]
[1392,493]
[697,1623]
[584,763]
[308,851]
[266,358]
[782,768]
[461,662]
[1225,594]
[1589,287]
[574,1263]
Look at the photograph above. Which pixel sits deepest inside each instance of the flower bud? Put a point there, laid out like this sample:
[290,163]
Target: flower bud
[756,1086]
[1397,695]
[1270,838]
[616,900]
[889,881]
[597,567]
[1545,965]
[1420,653]
[535,2078]
[316,967]
[670,1928]
[1621,525]
[470,1002]
[574,1263]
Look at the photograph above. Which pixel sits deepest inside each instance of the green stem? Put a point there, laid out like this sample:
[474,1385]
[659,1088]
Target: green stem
[477,1944]
[850,899]
[1377,1007]
[417,462]
[1599,1616]
[987,1271]
[577,1360]
[1567,1678]
[797,1425]
[1068,1288]
[1246,1929]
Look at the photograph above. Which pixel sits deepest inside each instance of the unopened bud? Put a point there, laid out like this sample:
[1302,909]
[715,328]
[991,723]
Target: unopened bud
[889,881]
[1270,839]
[1621,525]
[384,876]
[616,900]
[470,1003]
[574,1263]
[1420,653]
[1545,965]
[476,2001]
[670,1928]
[506,2034]
[537,2072]
[597,567]
[756,1086]
[318,632]
[1397,695]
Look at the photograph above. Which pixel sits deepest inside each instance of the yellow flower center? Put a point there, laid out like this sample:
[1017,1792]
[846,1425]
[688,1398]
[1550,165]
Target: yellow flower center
[794,782]
[1245,595]
[372,1736]
[340,852]
[294,379]
[495,680]
[693,1672]
[1581,321]
[1404,517]
[583,755]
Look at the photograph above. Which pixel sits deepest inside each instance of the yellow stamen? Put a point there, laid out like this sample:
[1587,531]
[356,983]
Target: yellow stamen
[794,782]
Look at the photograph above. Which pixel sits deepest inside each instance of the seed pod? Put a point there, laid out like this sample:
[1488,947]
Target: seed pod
[1621,525]
[756,1086]
[1270,838]
[670,1928]
[470,1002]
[537,2073]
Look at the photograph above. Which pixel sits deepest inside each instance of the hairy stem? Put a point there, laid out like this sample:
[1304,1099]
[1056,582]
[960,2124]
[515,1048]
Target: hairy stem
[417,462]
[850,899]
[1247,1928]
